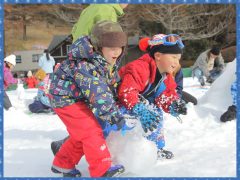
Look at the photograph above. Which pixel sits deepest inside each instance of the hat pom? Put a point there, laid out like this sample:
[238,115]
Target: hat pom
[29,74]
[143,44]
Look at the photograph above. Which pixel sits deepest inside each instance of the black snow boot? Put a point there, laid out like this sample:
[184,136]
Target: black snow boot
[202,81]
[230,114]
[56,145]
[114,171]
[73,173]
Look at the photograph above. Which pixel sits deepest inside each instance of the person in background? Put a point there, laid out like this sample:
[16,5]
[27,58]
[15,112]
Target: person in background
[9,64]
[41,102]
[210,64]
[47,62]
[93,14]
[231,113]
[31,81]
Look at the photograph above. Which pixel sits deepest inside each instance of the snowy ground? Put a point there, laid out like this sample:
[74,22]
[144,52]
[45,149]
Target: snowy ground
[203,147]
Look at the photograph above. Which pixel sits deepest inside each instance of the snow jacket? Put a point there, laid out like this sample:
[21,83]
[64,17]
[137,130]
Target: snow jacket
[234,92]
[202,62]
[46,65]
[179,80]
[141,77]
[31,82]
[86,76]
[8,77]
[92,14]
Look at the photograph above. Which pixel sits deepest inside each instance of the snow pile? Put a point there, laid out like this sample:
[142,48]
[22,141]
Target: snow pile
[132,150]
[201,144]
[219,96]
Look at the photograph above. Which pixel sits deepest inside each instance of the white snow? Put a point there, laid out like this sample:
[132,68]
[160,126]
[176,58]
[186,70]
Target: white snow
[202,145]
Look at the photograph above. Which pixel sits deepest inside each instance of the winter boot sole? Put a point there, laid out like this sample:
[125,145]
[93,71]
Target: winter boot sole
[65,174]
[115,173]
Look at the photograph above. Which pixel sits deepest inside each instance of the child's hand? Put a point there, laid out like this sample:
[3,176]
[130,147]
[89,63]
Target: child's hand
[178,107]
[113,127]
[149,119]
[127,122]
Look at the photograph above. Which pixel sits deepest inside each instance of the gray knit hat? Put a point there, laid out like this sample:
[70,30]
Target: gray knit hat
[107,34]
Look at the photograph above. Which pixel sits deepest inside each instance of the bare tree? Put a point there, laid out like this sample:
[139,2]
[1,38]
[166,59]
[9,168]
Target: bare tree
[191,21]
[67,13]
[130,21]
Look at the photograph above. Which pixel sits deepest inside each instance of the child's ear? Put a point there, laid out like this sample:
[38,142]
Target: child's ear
[157,56]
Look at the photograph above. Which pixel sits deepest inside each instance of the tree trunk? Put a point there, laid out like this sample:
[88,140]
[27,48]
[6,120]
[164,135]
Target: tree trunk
[47,24]
[24,28]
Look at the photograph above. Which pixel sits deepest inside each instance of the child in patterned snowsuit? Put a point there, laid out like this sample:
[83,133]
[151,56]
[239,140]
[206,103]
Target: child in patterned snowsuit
[81,94]
[148,79]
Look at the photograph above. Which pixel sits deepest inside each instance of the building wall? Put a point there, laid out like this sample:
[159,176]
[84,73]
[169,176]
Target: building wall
[27,60]
[60,53]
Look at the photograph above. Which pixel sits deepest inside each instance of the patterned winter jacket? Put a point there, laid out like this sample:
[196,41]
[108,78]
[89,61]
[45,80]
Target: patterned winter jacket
[234,92]
[8,77]
[142,77]
[86,76]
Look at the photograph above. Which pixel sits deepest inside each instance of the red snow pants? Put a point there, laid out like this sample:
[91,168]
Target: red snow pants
[86,138]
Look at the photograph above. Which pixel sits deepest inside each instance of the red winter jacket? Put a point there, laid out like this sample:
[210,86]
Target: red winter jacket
[31,82]
[136,76]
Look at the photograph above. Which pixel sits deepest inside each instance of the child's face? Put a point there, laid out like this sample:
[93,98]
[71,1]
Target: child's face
[111,54]
[167,62]
[10,66]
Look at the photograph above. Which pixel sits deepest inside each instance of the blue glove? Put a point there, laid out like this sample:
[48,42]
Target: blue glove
[178,107]
[122,125]
[108,128]
[149,119]
[130,123]
[112,127]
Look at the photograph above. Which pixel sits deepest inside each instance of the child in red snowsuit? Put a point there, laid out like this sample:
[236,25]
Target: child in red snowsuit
[149,78]
[81,93]
[31,81]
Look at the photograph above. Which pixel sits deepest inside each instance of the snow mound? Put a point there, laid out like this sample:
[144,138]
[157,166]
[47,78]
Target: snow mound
[219,95]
